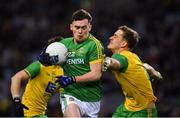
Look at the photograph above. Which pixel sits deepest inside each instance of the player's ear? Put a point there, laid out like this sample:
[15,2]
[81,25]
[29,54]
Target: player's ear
[71,27]
[123,43]
[90,26]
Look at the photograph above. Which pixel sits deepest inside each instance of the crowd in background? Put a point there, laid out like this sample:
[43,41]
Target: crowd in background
[25,27]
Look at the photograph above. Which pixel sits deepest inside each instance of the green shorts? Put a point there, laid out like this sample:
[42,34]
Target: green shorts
[41,116]
[121,111]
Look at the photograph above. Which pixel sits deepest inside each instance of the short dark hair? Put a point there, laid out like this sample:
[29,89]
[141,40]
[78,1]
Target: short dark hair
[130,35]
[81,14]
[54,39]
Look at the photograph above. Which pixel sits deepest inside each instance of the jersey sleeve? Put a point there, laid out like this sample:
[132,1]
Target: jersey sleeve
[33,69]
[96,53]
[122,60]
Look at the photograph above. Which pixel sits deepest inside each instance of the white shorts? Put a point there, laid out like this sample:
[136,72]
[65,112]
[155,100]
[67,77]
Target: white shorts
[87,109]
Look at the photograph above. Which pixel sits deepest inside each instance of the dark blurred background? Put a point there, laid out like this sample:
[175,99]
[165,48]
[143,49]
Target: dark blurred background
[26,25]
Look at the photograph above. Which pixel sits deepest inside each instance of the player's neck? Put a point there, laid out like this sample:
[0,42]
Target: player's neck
[119,50]
[78,41]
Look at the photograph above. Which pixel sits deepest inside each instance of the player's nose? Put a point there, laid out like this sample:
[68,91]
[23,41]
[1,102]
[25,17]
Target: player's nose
[111,37]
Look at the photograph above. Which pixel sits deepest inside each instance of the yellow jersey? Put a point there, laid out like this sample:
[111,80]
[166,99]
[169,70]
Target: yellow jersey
[39,88]
[134,81]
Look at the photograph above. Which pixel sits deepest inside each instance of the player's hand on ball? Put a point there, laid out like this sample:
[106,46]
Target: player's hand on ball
[55,54]
[18,107]
[44,58]
[65,80]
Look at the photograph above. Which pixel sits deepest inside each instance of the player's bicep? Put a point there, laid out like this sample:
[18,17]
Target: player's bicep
[96,52]
[115,64]
[33,69]
[119,62]
[21,75]
[96,67]
[96,70]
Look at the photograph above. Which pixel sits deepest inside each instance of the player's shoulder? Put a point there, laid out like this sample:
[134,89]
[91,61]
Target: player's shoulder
[35,63]
[94,40]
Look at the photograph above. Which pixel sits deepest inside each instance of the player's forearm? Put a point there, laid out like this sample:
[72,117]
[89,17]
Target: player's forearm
[16,82]
[115,65]
[93,75]
[156,75]
[15,86]
[88,77]
[152,72]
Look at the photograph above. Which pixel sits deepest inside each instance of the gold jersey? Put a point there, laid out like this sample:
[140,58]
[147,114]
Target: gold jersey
[39,87]
[135,83]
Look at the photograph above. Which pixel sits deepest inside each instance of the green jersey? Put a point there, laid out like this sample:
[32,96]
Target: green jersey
[80,56]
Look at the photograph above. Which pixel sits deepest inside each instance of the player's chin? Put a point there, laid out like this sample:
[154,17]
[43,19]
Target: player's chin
[109,46]
[80,40]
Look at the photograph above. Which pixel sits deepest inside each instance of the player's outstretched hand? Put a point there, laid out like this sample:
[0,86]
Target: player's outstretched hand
[152,72]
[107,62]
[65,80]
[18,107]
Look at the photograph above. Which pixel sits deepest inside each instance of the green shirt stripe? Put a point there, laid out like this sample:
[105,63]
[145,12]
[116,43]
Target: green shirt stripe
[98,46]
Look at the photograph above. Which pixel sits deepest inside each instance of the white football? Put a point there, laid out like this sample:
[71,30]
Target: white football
[57,50]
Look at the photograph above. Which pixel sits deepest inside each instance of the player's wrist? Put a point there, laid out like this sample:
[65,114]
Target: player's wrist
[16,96]
[73,79]
[159,75]
[17,100]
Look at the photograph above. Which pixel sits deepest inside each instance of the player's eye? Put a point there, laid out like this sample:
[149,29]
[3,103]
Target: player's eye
[84,27]
[77,27]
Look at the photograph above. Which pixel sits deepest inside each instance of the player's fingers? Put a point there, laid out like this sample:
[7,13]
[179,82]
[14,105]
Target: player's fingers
[25,107]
